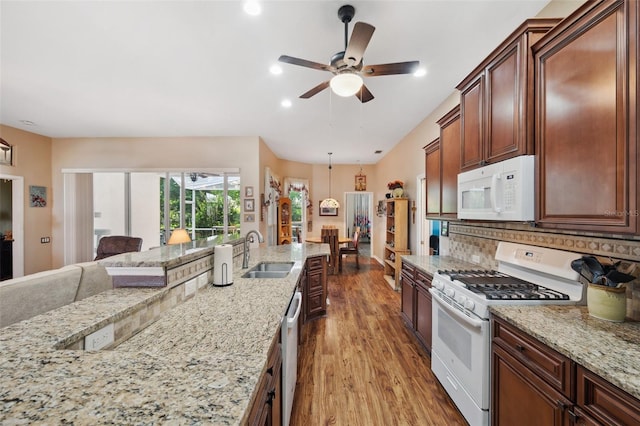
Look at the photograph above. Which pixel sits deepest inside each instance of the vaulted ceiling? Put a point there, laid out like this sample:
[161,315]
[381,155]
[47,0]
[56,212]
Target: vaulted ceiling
[202,68]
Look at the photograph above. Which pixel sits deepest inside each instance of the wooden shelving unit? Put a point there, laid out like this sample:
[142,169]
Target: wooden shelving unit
[397,238]
[284,220]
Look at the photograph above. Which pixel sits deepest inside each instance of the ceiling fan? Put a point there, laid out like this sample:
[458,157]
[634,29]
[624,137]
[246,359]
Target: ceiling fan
[347,65]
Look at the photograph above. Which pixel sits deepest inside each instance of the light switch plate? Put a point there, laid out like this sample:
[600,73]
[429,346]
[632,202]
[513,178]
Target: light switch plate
[475,258]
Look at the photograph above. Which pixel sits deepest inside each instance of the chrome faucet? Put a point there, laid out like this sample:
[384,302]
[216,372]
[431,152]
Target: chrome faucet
[245,254]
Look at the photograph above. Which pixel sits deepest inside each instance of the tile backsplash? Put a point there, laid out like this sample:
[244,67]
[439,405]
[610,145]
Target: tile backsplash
[482,240]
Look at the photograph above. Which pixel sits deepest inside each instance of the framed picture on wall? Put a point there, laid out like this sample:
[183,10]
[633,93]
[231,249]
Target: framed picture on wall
[328,211]
[250,217]
[249,205]
[444,229]
[248,191]
[37,196]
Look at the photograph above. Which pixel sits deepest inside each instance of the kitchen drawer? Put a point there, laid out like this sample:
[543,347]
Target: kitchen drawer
[554,368]
[314,282]
[408,269]
[315,263]
[315,304]
[605,402]
[423,278]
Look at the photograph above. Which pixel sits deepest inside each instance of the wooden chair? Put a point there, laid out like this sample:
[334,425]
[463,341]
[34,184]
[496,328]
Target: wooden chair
[352,248]
[330,236]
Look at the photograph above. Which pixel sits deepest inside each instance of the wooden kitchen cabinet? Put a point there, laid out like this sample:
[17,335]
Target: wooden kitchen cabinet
[586,120]
[267,406]
[524,369]
[432,176]
[496,100]
[397,238]
[416,303]
[315,288]
[423,309]
[557,390]
[407,289]
[442,166]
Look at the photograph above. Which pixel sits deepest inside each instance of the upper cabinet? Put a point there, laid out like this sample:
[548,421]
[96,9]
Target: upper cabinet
[586,120]
[496,100]
[442,165]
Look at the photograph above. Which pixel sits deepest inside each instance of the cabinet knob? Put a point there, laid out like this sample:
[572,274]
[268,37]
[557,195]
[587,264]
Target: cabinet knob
[520,348]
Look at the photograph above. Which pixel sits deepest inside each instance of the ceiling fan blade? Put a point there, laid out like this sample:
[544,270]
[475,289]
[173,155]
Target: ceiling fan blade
[359,41]
[304,63]
[319,88]
[364,94]
[390,69]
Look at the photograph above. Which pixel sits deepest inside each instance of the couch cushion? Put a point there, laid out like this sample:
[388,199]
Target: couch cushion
[31,295]
[94,280]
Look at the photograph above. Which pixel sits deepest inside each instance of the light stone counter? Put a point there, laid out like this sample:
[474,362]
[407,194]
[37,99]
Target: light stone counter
[610,350]
[431,264]
[199,363]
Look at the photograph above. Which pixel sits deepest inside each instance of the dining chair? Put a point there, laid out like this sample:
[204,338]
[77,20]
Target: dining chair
[330,236]
[351,248]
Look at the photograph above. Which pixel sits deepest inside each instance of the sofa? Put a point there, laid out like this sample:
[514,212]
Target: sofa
[25,297]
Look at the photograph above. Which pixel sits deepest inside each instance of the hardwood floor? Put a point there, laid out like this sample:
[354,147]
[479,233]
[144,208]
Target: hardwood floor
[360,365]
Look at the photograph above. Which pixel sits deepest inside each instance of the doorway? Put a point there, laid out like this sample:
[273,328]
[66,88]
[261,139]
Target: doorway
[358,212]
[14,221]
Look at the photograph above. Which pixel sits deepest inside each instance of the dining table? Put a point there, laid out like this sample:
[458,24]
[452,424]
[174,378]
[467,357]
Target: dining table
[341,240]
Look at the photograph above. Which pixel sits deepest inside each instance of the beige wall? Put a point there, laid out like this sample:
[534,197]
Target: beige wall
[32,161]
[192,153]
[405,162]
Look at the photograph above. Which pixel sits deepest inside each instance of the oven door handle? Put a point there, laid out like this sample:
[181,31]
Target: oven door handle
[476,323]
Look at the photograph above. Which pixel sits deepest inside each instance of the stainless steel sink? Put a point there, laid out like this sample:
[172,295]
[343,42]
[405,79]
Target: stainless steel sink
[269,270]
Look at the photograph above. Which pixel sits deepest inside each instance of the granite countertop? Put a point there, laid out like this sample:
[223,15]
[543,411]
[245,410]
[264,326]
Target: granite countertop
[431,264]
[610,350]
[199,363]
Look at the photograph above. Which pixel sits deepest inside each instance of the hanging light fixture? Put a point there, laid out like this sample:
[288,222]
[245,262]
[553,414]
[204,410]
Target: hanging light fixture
[329,203]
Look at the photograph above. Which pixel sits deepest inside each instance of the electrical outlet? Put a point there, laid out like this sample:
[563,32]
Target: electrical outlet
[45,240]
[475,258]
[99,339]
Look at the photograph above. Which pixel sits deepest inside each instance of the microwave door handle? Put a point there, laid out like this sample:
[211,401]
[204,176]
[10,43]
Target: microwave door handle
[493,193]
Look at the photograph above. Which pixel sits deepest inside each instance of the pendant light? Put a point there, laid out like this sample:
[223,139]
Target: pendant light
[329,203]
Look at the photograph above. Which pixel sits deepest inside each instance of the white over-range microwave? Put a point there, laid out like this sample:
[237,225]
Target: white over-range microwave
[500,191]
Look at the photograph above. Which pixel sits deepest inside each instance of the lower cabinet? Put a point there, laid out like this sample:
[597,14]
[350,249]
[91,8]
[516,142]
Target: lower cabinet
[416,302]
[267,407]
[557,390]
[315,288]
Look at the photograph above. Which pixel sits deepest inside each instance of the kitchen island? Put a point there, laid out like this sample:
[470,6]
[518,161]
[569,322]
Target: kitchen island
[198,363]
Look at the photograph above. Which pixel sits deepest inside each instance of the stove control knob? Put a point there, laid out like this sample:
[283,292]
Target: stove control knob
[438,285]
[460,299]
[468,304]
[449,292]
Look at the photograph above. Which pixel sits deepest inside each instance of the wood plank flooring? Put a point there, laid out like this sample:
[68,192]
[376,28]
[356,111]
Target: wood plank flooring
[360,365]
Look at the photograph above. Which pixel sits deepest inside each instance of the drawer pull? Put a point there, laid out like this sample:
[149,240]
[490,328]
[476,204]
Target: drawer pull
[520,348]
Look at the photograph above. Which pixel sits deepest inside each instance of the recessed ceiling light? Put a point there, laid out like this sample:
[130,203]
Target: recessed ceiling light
[275,69]
[252,7]
[286,103]
[28,123]
[421,72]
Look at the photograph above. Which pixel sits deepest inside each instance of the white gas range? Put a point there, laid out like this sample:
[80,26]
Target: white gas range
[460,354]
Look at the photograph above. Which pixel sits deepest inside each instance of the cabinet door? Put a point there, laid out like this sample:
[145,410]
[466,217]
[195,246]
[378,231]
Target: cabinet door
[472,154]
[505,85]
[450,162]
[423,315]
[586,120]
[407,288]
[519,397]
[432,175]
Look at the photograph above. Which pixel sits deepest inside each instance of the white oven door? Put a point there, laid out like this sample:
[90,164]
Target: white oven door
[460,358]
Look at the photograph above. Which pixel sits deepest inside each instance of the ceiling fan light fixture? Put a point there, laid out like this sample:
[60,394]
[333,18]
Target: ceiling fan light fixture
[346,84]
